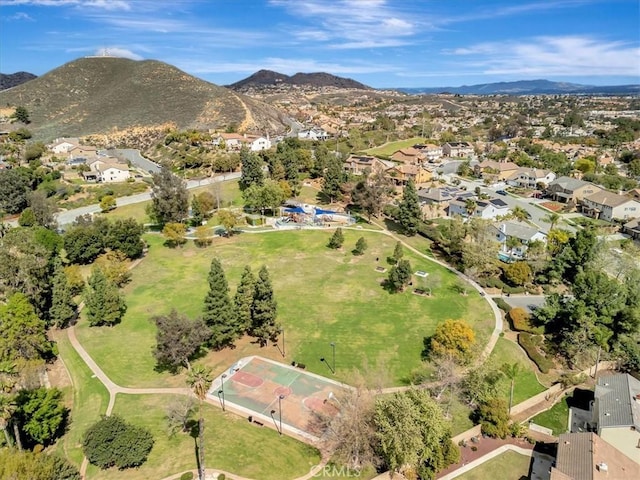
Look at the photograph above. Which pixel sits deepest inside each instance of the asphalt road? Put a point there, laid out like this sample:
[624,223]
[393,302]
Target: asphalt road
[528,302]
[67,217]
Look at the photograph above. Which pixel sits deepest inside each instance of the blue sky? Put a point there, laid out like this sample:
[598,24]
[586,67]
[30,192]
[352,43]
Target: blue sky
[382,43]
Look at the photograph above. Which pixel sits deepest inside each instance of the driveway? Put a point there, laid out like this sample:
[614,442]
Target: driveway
[528,302]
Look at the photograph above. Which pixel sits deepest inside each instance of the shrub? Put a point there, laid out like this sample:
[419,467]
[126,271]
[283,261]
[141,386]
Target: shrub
[114,442]
[521,320]
[474,448]
[494,417]
[530,343]
[187,476]
[510,290]
[502,305]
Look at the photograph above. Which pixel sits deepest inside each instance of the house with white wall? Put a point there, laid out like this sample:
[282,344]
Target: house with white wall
[609,206]
[520,231]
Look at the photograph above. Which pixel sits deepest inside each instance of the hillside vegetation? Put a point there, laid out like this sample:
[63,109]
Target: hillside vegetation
[103,94]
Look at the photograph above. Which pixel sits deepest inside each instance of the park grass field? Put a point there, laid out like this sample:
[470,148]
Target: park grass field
[87,398]
[392,147]
[323,296]
[527,384]
[231,444]
[506,466]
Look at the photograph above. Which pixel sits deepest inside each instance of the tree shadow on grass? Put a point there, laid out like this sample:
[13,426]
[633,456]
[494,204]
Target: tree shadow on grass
[392,226]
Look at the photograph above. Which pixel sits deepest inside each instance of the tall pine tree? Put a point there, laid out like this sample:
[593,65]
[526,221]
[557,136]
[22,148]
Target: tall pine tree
[409,213]
[252,173]
[219,313]
[63,309]
[334,176]
[244,298]
[103,303]
[263,310]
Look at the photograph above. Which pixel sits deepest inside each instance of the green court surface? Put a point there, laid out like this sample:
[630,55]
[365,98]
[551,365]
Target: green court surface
[279,394]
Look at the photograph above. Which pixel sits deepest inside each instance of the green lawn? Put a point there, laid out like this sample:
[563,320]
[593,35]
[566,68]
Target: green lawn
[87,399]
[556,418]
[506,466]
[323,296]
[392,147]
[232,444]
[527,384]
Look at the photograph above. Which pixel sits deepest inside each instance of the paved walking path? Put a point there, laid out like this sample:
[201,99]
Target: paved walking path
[115,389]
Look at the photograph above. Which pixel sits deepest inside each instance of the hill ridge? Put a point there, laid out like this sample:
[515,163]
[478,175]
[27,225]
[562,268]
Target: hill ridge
[315,79]
[103,94]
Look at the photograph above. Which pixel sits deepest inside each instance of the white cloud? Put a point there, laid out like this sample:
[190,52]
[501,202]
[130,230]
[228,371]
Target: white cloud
[350,24]
[553,56]
[117,52]
[18,16]
[102,4]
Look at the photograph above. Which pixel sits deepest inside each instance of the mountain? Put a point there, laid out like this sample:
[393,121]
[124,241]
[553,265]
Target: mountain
[14,79]
[103,94]
[528,87]
[319,79]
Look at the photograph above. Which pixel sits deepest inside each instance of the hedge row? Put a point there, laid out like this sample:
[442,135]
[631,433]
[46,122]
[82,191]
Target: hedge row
[502,305]
[531,343]
[521,321]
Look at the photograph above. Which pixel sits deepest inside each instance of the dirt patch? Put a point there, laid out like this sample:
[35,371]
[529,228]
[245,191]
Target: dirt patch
[58,375]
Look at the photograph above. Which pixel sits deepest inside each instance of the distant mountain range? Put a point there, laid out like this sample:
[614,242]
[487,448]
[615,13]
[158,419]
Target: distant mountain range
[264,78]
[102,94]
[528,87]
[14,79]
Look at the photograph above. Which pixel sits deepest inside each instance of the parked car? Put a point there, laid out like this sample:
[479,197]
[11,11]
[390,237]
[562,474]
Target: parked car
[501,192]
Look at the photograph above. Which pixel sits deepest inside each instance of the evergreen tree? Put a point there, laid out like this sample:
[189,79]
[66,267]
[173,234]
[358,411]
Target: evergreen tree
[334,176]
[219,313]
[63,309]
[409,213]
[252,173]
[169,198]
[399,276]
[361,246]
[244,298]
[398,253]
[263,310]
[337,239]
[104,305]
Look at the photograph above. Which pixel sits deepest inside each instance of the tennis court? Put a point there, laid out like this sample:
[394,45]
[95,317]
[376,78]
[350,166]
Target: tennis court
[278,394]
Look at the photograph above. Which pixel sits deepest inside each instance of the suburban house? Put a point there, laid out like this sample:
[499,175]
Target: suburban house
[616,412]
[610,206]
[520,232]
[401,174]
[107,170]
[256,143]
[314,133]
[63,145]
[457,149]
[409,156]
[489,209]
[231,141]
[82,151]
[495,171]
[359,164]
[632,228]
[531,178]
[586,456]
[570,190]
[432,152]
[434,201]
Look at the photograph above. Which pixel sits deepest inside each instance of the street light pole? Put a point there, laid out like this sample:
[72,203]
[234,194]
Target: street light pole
[280,397]
[333,346]
[221,391]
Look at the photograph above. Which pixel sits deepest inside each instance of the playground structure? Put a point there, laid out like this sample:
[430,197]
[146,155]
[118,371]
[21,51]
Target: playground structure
[278,395]
[304,215]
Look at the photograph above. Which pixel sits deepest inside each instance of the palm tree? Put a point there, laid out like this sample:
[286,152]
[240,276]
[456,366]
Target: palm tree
[470,206]
[553,218]
[512,243]
[8,375]
[199,379]
[519,213]
[7,409]
[511,371]
[601,338]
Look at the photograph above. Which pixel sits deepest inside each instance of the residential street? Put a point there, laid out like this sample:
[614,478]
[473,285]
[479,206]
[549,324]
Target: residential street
[67,217]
